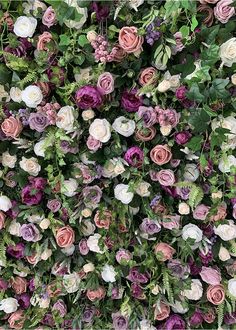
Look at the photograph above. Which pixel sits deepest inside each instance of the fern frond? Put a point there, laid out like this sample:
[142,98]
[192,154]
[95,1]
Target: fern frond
[196,195]
[184,184]
[14,62]
[167,286]
[3,257]
[31,76]
[220,314]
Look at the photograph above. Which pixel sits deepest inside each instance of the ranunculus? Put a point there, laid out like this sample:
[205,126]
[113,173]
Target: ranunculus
[166,177]
[38,121]
[147,76]
[129,40]
[32,96]
[224,10]
[228,52]
[49,17]
[161,154]
[8,160]
[108,273]
[216,294]
[130,100]
[193,232]
[69,187]
[100,129]
[226,231]
[201,212]
[164,251]
[65,236]
[11,127]
[25,26]
[88,97]
[30,165]
[122,194]
[105,83]
[232,287]
[210,275]
[196,290]
[124,126]
[161,312]
[8,305]
[65,118]
[5,203]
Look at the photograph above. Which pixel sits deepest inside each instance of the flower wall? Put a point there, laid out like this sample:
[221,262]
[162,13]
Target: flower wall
[118,167]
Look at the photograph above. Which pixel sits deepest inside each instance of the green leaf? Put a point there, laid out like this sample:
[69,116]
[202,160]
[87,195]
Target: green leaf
[203,74]
[195,143]
[203,161]
[217,90]
[194,93]
[5,74]
[64,40]
[199,120]
[210,55]
[83,40]
[171,6]
[184,31]
[194,23]
[208,110]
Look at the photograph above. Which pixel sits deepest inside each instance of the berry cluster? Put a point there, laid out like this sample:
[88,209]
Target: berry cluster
[102,53]
[153,33]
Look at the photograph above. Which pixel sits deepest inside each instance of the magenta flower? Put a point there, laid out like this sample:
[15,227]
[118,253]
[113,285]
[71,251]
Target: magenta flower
[134,156]
[88,97]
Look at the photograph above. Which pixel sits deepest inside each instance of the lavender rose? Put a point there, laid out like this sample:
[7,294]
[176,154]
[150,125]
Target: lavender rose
[105,83]
[148,115]
[92,196]
[38,121]
[30,232]
[223,10]
[49,17]
[149,226]
[120,322]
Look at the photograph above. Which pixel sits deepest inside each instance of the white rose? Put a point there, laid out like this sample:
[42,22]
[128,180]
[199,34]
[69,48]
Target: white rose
[124,126]
[92,243]
[146,325]
[46,254]
[174,82]
[39,148]
[122,194]
[68,251]
[9,305]
[87,228]
[32,96]
[228,52]
[100,129]
[108,274]
[142,189]
[30,165]
[81,11]
[88,114]
[134,4]
[226,163]
[224,254]
[164,86]
[184,208]
[69,187]
[86,213]
[89,267]
[35,218]
[228,123]
[44,224]
[65,118]
[91,35]
[232,287]
[5,203]
[217,194]
[15,94]
[230,144]
[165,130]
[33,6]
[191,172]
[196,291]
[4,94]
[226,231]
[192,231]
[179,308]
[25,27]
[71,282]
[113,167]
[8,160]
[14,228]
[233,79]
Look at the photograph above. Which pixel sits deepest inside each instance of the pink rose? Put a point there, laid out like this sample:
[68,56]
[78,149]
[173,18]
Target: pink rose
[179,46]
[167,117]
[43,40]
[2,219]
[201,212]
[161,154]
[223,11]
[166,177]
[171,221]
[209,316]
[210,275]
[208,1]
[147,76]
[11,127]
[19,284]
[162,312]
[216,294]
[97,294]
[16,320]
[129,39]
[103,219]
[49,17]
[164,251]
[65,236]
[93,144]
[122,255]
[105,83]
[221,213]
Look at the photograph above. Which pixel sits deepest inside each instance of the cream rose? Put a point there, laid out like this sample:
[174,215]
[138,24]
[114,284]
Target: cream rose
[15,94]
[164,86]
[30,165]
[143,189]
[65,118]
[233,79]
[228,123]
[184,208]
[228,52]
[14,228]
[69,187]
[224,254]
[226,163]
[134,4]
[71,282]
[226,231]
[122,194]
[113,167]
[39,148]
[8,160]
[92,243]
[25,27]
[100,129]
[88,114]
[89,267]
[91,35]
[124,126]
[196,291]
[32,96]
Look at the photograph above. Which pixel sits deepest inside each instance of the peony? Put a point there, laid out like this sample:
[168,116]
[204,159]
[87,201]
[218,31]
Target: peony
[30,165]
[226,163]
[69,187]
[191,231]
[11,127]
[65,118]
[5,203]
[226,231]
[224,10]
[129,40]
[196,291]
[32,96]
[25,26]
[105,83]
[88,97]
[232,287]
[210,275]
[124,126]
[8,160]
[65,237]
[71,282]
[8,305]
[228,52]
[216,294]
[161,154]
[122,194]
[100,129]
[108,274]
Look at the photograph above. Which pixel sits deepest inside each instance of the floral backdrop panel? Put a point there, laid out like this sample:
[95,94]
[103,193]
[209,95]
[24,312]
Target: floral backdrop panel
[117,164]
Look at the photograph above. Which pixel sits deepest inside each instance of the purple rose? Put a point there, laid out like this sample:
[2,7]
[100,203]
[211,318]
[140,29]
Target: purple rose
[130,101]
[23,300]
[207,229]
[102,11]
[3,284]
[120,322]
[183,193]
[196,319]
[177,269]
[88,97]
[16,251]
[60,306]
[175,322]
[149,226]
[117,293]
[136,276]
[134,156]
[180,93]
[230,319]
[88,314]
[54,205]
[48,320]
[92,196]
[224,10]
[148,115]
[38,121]
[30,232]
[182,137]
[137,291]
[31,197]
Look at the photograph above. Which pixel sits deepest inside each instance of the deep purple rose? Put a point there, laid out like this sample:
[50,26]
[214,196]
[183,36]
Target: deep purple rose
[16,251]
[175,322]
[180,93]
[102,11]
[182,137]
[48,320]
[88,97]
[230,319]
[196,319]
[23,300]
[38,121]
[136,276]
[31,197]
[130,101]
[134,156]
[137,291]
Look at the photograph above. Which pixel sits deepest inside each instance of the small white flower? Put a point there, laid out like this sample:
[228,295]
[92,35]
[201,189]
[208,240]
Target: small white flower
[108,274]
[92,243]
[8,305]
[184,208]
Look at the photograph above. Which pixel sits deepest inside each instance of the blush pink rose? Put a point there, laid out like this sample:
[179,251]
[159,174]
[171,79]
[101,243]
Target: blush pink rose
[122,255]
[129,39]
[11,127]
[19,284]
[165,250]
[2,220]
[93,144]
[43,40]
[223,10]
[216,294]
[103,219]
[16,320]
[221,213]
[161,154]
[166,177]
[171,221]
[210,275]
[49,17]
[208,1]
[147,76]
[97,294]
[65,236]
[105,83]
[201,212]
[162,313]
